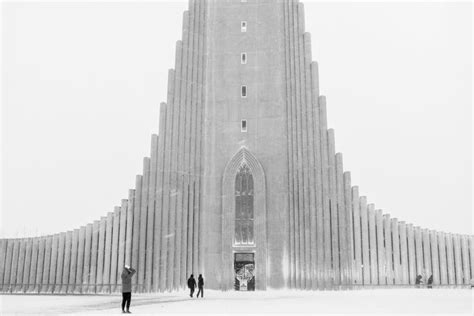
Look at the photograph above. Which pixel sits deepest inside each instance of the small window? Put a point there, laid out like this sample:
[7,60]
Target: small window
[243,26]
[244,91]
[243,127]
[243,58]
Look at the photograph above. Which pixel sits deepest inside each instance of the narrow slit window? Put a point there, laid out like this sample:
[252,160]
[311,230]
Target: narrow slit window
[243,126]
[243,58]
[244,92]
[243,26]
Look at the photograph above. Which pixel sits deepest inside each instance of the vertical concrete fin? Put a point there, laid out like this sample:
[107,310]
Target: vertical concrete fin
[379,225]
[357,236]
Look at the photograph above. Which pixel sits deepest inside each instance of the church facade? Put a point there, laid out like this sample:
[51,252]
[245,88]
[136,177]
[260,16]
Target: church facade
[243,183]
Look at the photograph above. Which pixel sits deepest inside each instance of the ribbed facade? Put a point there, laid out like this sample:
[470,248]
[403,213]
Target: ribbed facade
[311,229]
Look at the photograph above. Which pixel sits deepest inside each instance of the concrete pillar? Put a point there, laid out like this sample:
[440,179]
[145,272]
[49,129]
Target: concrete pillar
[80,260]
[60,262]
[27,266]
[33,265]
[365,240]
[47,264]
[450,258]
[136,225]
[457,259]
[94,257]
[443,264]
[87,258]
[396,252]
[151,214]
[434,257]
[8,265]
[349,232]
[411,254]
[343,217]
[129,233]
[419,251]
[108,253]
[40,267]
[426,254]
[73,268]
[357,237]
[387,222]
[471,254]
[122,243]
[403,252]
[21,265]
[333,208]
[54,260]
[143,226]
[372,245]
[382,280]
[67,262]
[115,246]
[3,257]
[101,254]
[465,259]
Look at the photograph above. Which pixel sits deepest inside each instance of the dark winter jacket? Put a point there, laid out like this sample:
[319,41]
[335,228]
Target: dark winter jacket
[430,280]
[127,280]
[191,283]
[200,282]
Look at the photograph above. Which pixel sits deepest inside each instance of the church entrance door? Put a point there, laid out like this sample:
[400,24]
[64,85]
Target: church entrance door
[244,271]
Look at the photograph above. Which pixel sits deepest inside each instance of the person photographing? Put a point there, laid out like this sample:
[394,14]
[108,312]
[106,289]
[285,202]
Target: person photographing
[127,275]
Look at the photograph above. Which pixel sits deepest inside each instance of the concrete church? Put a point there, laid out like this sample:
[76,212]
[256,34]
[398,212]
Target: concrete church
[243,183]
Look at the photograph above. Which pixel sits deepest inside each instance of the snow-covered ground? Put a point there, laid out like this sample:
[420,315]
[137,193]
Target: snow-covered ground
[374,302]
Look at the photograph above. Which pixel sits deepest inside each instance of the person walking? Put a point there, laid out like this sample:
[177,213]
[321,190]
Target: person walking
[419,280]
[127,274]
[430,282]
[191,285]
[200,286]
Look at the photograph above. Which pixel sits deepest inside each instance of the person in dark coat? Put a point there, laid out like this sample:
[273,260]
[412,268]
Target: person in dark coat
[430,282]
[191,285]
[200,286]
[419,280]
[127,274]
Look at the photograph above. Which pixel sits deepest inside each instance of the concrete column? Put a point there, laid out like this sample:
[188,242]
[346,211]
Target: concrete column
[3,256]
[129,233]
[396,252]
[115,246]
[67,262]
[403,252]
[87,258]
[27,266]
[73,268]
[364,220]
[457,259]
[54,260]
[136,225]
[434,257]
[21,265]
[101,254]
[357,236]
[342,226]
[387,222]
[40,267]
[108,253]
[94,257]
[60,262]
[411,254]
[8,265]
[151,213]
[471,254]
[380,248]
[443,264]
[143,225]
[372,245]
[80,260]
[426,253]
[33,265]
[450,258]
[419,251]
[465,259]
[47,264]
[333,208]
[122,242]
[349,232]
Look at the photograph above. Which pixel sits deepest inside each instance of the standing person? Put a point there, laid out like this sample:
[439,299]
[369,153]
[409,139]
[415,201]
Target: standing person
[127,274]
[419,280]
[191,285]
[200,286]
[430,282]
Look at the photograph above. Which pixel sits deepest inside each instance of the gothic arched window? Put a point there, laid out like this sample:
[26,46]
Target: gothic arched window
[244,217]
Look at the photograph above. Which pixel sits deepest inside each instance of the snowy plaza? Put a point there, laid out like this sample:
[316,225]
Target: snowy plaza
[362,302]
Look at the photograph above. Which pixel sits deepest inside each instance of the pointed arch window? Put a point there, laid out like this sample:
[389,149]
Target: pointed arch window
[244,212]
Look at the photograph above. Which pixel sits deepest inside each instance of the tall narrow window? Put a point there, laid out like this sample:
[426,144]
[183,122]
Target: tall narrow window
[244,214]
[243,26]
[244,92]
[243,58]
[243,126]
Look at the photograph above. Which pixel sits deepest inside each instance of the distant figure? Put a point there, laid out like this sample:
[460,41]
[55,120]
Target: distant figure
[200,286]
[191,285]
[127,274]
[430,282]
[419,280]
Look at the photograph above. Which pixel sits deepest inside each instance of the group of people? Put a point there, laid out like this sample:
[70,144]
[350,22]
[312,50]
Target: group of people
[127,275]
[419,281]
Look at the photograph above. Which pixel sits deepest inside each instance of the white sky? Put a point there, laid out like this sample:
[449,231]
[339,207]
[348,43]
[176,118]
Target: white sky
[81,85]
